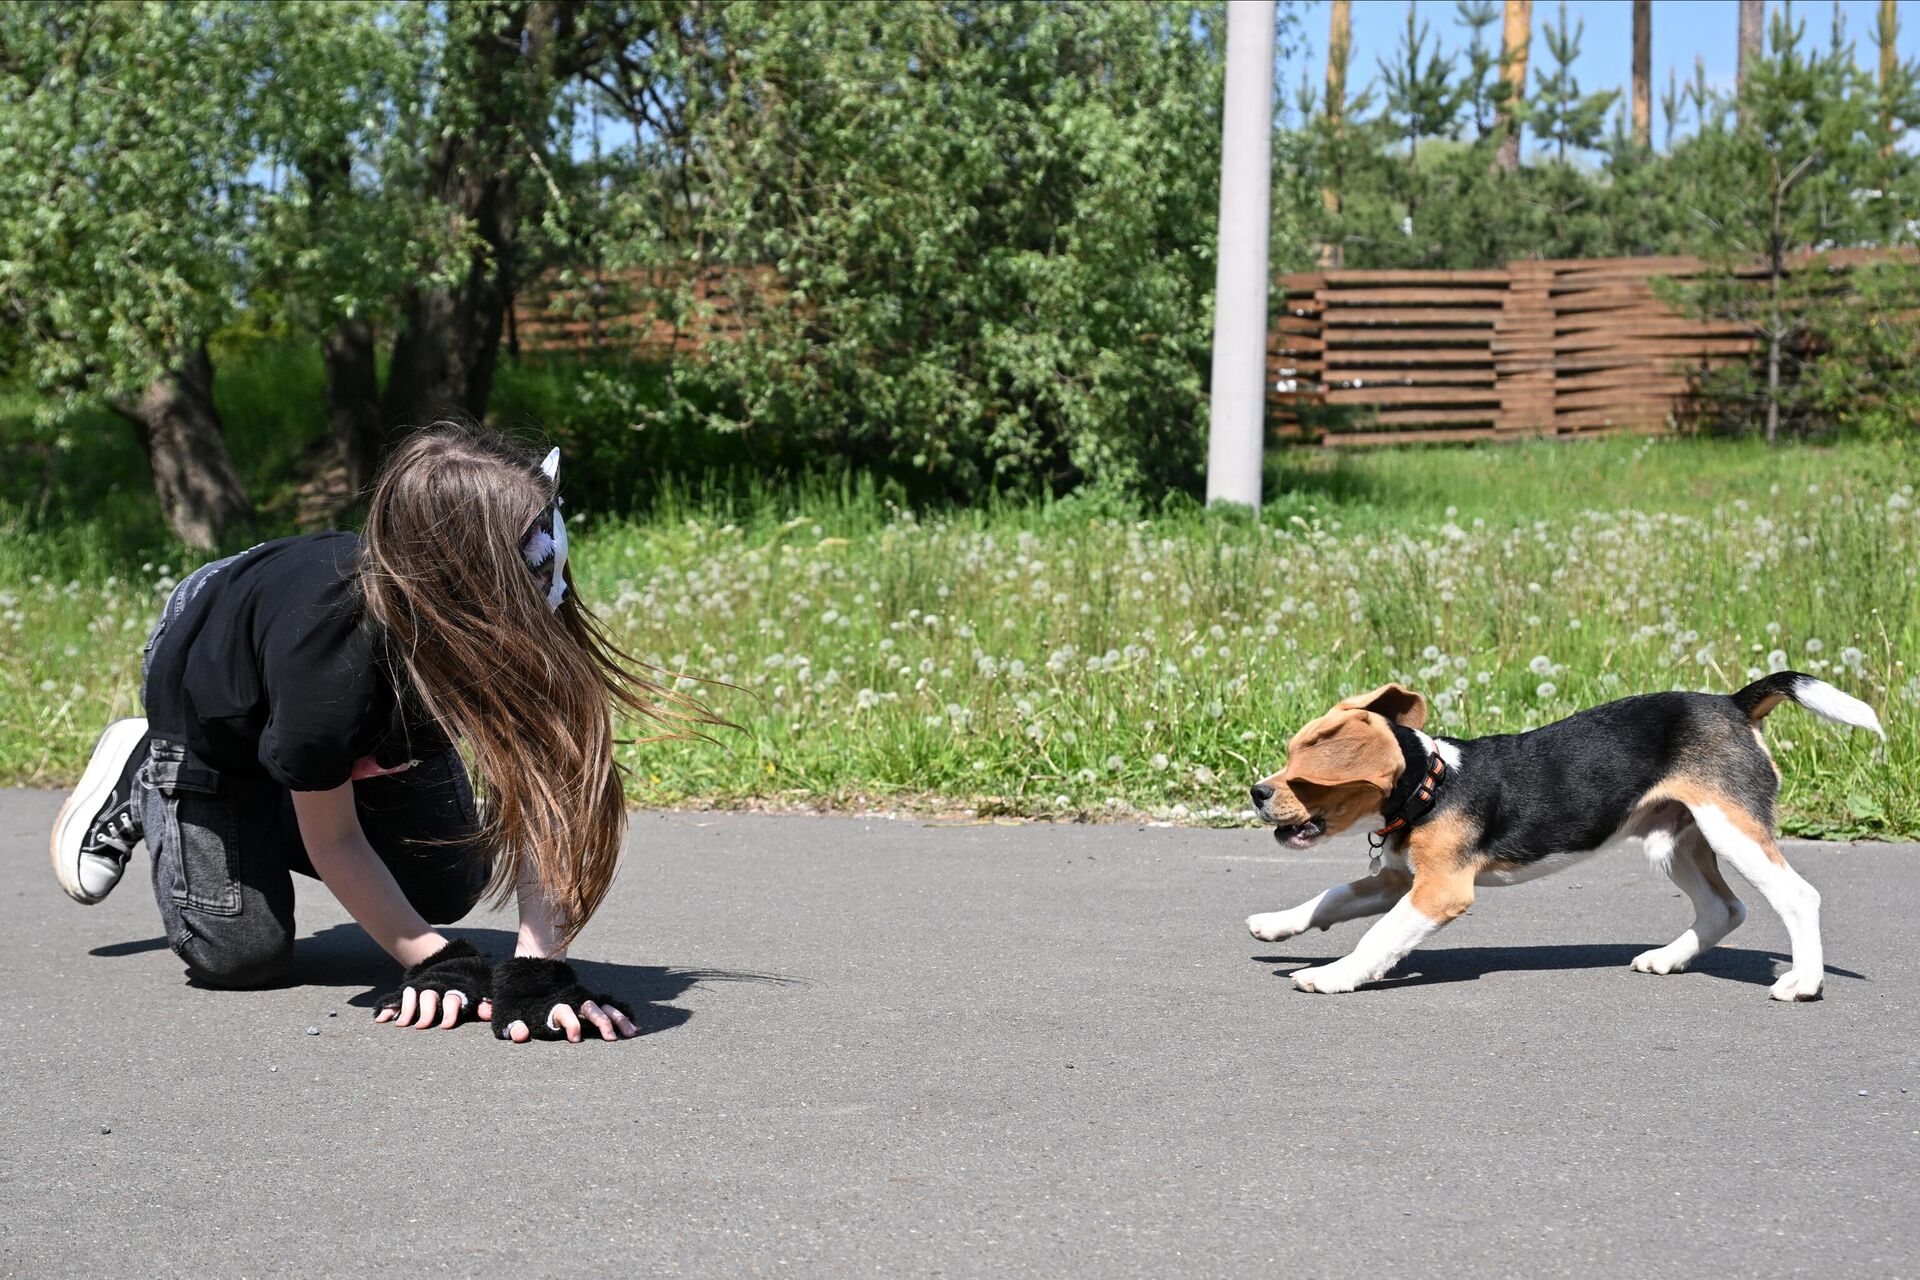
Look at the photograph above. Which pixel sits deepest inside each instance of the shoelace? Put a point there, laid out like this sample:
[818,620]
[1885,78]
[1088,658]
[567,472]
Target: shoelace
[116,832]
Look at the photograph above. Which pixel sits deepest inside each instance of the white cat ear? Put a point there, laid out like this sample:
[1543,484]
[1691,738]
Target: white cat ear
[551,467]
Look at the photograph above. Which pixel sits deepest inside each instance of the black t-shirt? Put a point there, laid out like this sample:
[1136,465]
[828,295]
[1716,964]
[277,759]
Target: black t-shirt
[272,670]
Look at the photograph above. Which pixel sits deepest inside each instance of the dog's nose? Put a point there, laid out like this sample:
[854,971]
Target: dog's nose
[1261,794]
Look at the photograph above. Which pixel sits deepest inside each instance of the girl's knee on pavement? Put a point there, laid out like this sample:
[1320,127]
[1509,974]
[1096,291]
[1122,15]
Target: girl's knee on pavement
[252,960]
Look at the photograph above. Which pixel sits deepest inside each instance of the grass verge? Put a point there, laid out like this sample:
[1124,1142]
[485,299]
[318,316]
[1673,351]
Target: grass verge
[1090,656]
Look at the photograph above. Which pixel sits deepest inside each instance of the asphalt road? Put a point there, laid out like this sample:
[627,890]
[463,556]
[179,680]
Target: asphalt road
[894,1048]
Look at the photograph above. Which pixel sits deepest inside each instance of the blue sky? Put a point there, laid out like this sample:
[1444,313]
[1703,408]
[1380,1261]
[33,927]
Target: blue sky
[1682,30]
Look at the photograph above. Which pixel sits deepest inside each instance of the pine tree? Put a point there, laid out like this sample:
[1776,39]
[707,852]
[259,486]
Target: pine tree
[1803,168]
[1559,112]
[1482,90]
[1516,35]
[1422,100]
[1339,54]
[1898,88]
[1670,104]
[1336,147]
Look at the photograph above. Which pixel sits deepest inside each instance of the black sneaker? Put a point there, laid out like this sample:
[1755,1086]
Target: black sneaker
[98,826]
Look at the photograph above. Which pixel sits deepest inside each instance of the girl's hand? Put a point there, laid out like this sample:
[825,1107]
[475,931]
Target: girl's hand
[538,999]
[432,1008]
[611,1022]
[453,981]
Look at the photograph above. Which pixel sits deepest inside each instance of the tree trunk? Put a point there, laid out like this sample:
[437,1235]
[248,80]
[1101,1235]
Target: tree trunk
[1339,46]
[448,344]
[1753,20]
[1773,386]
[1413,177]
[1515,35]
[1643,74]
[1888,30]
[201,497]
[358,435]
[353,401]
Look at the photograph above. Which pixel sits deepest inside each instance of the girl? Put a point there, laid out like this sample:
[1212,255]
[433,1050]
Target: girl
[303,699]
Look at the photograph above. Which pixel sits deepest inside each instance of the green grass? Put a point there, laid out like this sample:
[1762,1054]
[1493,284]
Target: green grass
[1091,656]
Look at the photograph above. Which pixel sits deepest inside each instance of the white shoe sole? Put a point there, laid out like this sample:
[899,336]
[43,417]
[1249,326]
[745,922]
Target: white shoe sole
[78,813]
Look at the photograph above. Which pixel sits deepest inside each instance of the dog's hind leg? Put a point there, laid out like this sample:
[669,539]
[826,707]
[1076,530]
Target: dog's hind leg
[1740,838]
[1686,856]
[1368,896]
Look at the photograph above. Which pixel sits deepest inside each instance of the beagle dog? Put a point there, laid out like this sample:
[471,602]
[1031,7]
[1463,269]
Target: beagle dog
[1685,774]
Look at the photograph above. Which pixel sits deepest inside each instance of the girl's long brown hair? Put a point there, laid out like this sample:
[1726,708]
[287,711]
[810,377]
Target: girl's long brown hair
[530,692]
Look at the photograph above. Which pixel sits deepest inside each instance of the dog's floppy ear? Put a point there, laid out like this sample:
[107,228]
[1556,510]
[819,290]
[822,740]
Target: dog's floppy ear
[1341,749]
[1396,702]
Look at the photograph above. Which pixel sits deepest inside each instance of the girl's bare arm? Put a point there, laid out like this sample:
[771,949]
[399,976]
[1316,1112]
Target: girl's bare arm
[540,921]
[338,848]
[330,828]
[541,927]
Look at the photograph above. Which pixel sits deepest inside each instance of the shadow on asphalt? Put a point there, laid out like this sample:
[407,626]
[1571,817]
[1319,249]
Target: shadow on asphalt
[342,955]
[1466,964]
[132,948]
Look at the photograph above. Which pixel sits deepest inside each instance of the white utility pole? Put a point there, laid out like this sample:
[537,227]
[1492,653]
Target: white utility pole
[1238,428]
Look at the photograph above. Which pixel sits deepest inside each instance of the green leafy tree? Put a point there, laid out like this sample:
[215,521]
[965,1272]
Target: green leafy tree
[123,226]
[429,177]
[349,171]
[490,160]
[972,243]
[348,230]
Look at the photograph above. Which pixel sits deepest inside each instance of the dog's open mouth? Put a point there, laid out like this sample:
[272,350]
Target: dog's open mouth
[1300,834]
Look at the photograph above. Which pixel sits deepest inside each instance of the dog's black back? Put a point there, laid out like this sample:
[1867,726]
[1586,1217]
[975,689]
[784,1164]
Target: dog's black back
[1569,786]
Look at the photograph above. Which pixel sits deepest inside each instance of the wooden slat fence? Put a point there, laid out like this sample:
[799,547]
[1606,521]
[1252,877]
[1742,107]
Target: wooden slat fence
[1539,347]
[1547,347]
[605,313]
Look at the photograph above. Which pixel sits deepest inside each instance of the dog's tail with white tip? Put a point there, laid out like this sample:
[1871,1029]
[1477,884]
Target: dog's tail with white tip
[1817,696]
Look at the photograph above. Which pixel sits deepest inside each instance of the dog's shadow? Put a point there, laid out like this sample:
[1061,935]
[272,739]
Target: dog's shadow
[1469,964]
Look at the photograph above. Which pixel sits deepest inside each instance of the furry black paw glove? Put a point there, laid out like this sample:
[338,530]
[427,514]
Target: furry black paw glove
[454,967]
[526,990]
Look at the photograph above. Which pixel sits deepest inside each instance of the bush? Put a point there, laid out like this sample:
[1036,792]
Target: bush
[990,230]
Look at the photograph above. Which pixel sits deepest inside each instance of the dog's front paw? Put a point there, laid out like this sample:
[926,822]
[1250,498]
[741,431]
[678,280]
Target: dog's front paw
[1329,979]
[1276,926]
[1795,985]
[1671,958]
